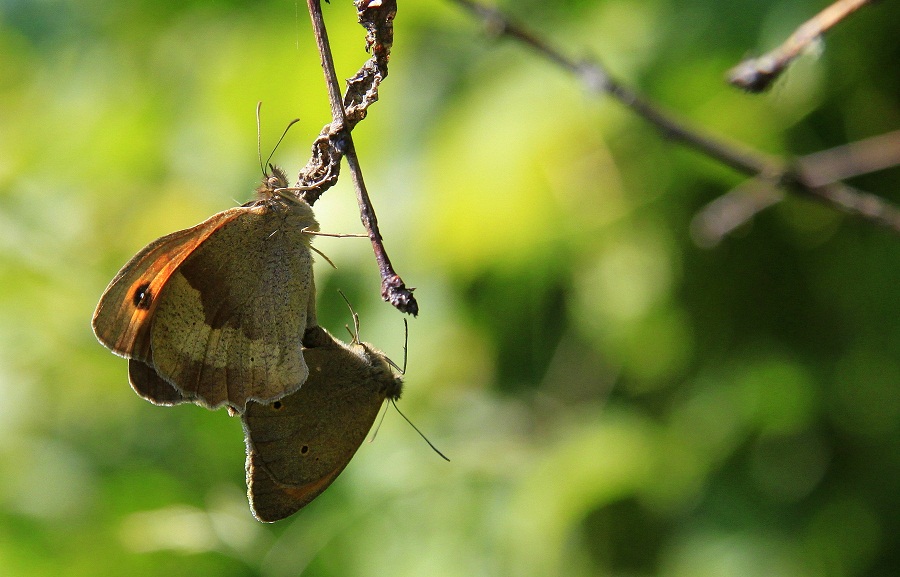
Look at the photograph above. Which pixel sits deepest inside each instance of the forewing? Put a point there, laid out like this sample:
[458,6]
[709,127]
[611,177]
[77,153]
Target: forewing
[229,323]
[122,319]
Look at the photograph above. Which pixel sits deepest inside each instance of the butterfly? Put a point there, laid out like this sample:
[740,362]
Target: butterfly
[211,314]
[298,445]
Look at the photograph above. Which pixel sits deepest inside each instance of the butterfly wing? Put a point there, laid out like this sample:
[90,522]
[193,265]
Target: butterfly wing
[121,321]
[297,446]
[228,323]
[147,383]
[216,310]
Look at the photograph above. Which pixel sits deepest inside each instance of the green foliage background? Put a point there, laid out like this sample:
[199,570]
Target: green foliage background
[614,399]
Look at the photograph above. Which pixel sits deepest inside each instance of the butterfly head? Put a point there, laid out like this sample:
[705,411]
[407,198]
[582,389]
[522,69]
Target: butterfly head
[381,370]
[272,181]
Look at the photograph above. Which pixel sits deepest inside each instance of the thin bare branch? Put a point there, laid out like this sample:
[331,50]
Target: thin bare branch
[377,16]
[757,74]
[822,170]
[733,209]
[598,80]
[850,160]
[780,172]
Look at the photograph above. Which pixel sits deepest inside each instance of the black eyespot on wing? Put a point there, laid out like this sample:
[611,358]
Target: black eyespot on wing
[304,449]
[142,297]
[277,405]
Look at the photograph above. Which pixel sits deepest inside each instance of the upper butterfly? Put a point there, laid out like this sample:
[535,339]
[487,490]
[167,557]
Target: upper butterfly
[211,313]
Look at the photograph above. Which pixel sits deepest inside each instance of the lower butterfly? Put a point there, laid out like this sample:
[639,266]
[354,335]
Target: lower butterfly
[298,445]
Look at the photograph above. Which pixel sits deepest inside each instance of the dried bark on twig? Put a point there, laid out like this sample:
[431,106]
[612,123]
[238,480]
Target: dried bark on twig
[335,141]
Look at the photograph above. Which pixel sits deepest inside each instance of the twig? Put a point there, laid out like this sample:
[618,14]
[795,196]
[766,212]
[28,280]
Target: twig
[597,80]
[824,169]
[323,168]
[738,206]
[754,163]
[378,16]
[850,160]
[757,74]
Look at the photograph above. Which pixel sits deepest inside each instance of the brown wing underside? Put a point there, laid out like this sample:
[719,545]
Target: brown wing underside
[299,445]
[120,320]
[217,310]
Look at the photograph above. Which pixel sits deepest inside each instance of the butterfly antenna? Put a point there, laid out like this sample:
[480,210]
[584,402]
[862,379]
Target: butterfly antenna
[262,166]
[390,361]
[430,444]
[283,134]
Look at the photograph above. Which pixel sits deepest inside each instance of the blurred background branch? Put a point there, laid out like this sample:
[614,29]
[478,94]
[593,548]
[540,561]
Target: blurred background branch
[758,74]
[767,168]
[822,171]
